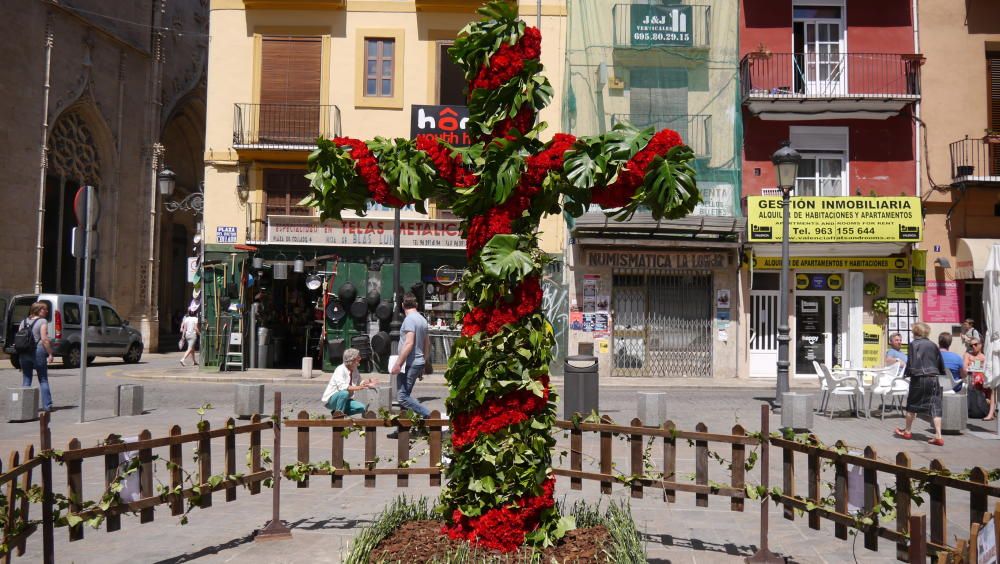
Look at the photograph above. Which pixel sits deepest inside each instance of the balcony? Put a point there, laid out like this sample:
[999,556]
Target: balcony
[815,86]
[650,35]
[976,161]
[695,130]
[283,127]
[257,214]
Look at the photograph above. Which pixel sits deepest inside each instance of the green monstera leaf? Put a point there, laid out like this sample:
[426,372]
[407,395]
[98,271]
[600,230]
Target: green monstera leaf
[502,258]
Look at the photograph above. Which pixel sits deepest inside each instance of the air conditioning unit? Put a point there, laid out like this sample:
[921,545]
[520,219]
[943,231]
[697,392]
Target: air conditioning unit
[770,191]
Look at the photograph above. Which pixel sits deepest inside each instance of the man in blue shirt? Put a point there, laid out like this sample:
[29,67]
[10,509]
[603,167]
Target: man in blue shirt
[894,354]
[415,345]
[952,361]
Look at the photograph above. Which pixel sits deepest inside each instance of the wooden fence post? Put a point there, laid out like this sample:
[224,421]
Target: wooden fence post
[904,495]
[230,461]
[840,492]
[176,473]
[434,443]
[74,488]
[337,458]
[788,479]
[255,465]
[205,464]
[669,462]
[576,457]
[147,514]
[14,460]
[606,460]
[276,530]
[637,464]
[738,469]
[701,465]
[815,476]
[302,437]
[763,553]
[938,507]
[112,522]
[978,498]
[48,527]
[402,453]
[918,538]
[29,454]
[371,450]
[871,501]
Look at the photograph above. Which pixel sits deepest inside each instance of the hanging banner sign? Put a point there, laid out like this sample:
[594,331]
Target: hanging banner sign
[871,352]
[900,286]
[654,25]
[851,219]
[364,232]
[833,263]
[942,302]
[918,270]
[446,123]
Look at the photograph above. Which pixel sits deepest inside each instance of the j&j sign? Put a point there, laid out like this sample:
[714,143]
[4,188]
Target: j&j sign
[661,25]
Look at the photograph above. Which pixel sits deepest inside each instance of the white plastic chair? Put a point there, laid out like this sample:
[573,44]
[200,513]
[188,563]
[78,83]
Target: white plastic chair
[846,385]
[824,387]
[889,381]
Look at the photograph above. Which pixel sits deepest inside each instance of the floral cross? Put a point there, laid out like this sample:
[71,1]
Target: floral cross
[500,483]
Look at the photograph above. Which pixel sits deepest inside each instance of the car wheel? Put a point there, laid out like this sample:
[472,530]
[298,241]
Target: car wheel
[15,360]
[134,354]
[72,358]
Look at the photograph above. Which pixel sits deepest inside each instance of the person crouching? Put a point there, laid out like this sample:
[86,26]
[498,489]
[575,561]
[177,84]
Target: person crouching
[339,394]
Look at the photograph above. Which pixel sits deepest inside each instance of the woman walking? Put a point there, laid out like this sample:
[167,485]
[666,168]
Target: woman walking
[38,360]
[925,392]
[189,334]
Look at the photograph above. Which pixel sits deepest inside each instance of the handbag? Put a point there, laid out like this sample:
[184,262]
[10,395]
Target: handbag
[180,344]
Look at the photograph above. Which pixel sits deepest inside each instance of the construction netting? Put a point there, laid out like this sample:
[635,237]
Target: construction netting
[665,64]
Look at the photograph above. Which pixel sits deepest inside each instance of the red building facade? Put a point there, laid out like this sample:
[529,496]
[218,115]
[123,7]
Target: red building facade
[840,80]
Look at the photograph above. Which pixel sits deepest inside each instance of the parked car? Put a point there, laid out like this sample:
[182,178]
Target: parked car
[108,335]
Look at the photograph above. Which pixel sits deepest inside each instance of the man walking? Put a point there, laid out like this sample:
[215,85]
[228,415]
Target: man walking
[416,344]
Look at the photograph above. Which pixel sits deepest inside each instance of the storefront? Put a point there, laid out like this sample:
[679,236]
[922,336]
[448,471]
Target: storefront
[852,272]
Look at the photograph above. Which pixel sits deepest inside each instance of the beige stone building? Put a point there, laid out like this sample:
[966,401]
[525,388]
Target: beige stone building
[102,94]
[282,73]
[961,176]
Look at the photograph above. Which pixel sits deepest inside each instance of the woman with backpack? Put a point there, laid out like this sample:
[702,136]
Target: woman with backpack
[37,352]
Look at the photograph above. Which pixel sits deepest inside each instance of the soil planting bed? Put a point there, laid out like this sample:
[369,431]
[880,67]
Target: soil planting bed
[418,542]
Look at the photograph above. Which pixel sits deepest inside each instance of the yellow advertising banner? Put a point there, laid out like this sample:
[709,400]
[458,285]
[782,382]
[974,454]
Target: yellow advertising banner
[851,219]
[833,263]
[901,286]
[918,270]
[871,351]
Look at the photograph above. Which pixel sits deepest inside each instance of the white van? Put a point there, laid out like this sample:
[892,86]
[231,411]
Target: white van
[108,335]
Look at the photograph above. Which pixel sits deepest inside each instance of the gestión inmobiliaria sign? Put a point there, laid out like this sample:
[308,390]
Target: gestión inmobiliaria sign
[836,219]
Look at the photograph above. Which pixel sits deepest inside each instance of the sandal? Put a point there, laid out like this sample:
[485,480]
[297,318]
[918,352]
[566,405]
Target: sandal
[903,434]
[936,442]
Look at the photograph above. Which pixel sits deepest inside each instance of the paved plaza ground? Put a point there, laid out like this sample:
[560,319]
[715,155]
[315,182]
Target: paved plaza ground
[325,519]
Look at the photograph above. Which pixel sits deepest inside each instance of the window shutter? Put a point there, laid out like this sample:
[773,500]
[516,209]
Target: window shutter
[290,70]
[284,190]
[993,72]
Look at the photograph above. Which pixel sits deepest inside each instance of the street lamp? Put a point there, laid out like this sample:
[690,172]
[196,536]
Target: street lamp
[786,163]
[167,181]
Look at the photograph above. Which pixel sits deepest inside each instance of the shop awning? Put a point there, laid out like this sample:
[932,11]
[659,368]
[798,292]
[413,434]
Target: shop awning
[642,225]
[831,249]
[970,259]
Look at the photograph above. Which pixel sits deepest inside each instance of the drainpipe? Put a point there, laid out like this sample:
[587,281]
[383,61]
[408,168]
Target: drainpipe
[157,152]
[918,133]
[44,165]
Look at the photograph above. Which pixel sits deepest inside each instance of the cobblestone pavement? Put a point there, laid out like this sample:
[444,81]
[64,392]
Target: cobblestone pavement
[325,519]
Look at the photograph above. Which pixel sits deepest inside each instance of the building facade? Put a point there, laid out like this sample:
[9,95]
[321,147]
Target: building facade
[961,113]
[102,97]
[282,74]
[840,80]
[647,298]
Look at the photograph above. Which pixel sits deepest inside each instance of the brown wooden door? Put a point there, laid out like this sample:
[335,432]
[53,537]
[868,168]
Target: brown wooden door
[993,77]
[284,189]
[290,89]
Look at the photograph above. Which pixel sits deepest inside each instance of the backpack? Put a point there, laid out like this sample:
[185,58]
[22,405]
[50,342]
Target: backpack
[24,339]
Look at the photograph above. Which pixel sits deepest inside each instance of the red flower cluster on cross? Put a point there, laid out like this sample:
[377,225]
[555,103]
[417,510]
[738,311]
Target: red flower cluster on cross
[449,168]
[619,193]
[498,413]
[367,168]
[524,300]
[508,61]
[503,529]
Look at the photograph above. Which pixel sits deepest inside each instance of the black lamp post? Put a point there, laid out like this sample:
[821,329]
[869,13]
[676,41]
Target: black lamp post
[786,163]
[166,180]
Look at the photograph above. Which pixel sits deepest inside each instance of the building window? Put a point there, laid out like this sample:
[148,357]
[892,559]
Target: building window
[379,67]
[451,79]
[284,189]
[820,175]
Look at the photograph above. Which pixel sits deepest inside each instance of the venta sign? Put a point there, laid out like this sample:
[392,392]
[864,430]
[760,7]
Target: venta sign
[446,123]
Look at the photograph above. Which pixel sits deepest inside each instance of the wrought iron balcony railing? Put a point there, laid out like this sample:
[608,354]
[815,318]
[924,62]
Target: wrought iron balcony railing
[976,160]
[283,126]
[258,212]
[641,25]
[695,130]
[830,75]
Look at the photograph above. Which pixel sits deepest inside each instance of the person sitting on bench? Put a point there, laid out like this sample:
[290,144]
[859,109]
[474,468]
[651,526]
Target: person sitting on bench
[343,383]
